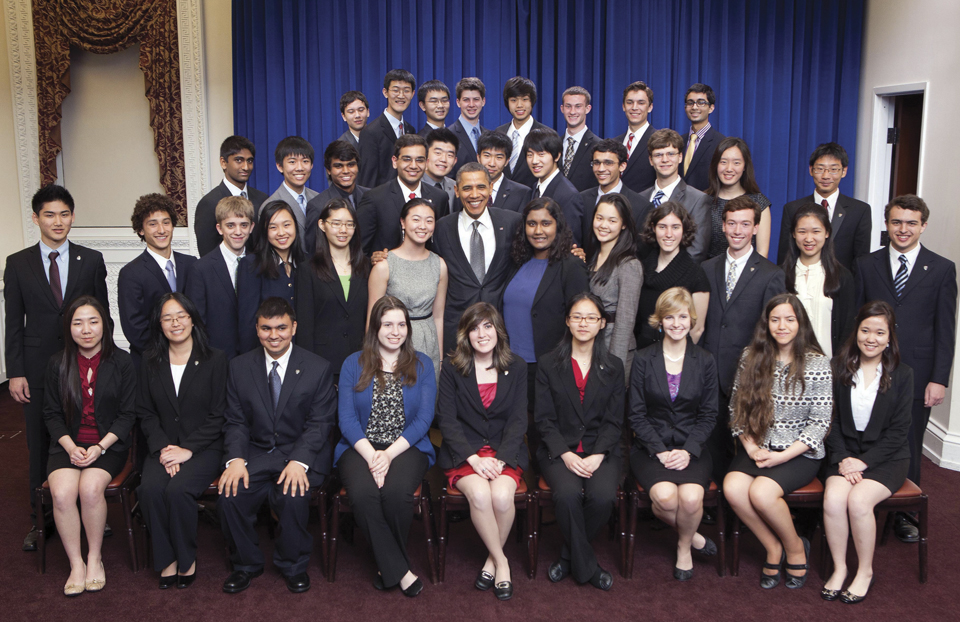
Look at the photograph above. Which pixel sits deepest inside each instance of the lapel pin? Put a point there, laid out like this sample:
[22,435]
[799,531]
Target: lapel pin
[751,269]
[298,371]
[195,363]
[506,373]
[925,267]
[78,257]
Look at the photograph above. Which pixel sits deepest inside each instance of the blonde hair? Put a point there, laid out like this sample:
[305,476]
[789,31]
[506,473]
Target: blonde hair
[237,206]
[673,300]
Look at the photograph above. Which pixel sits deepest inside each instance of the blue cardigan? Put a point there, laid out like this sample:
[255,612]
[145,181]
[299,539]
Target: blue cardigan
[419,403]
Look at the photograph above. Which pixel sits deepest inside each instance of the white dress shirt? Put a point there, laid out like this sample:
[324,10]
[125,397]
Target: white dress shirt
[809,283]
[63,263]
[739,263]
[667,192]
[862,397]
[406,191]
[232,260]
[495,189]
[395,123]
[636,137]
[542,186]
[577,139]
[465,229]
[233,188]
[523,130]
[911,256]
[831,202]
[162,261]
[177,372]
[617,188]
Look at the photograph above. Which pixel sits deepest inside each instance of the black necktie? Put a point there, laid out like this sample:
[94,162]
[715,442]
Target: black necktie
[55,278]
[275,385]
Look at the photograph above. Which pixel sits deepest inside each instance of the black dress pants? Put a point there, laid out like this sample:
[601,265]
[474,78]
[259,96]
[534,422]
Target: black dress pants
[38,443]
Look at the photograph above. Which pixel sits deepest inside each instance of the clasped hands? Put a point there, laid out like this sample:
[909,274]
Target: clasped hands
[583,467]
[85,457]
[675,459]
[487,468]
[172,456]
[379,464]
[766,458]
[852,469]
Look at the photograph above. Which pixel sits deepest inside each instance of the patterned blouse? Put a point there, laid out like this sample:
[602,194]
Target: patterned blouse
[802,415]
[386,414]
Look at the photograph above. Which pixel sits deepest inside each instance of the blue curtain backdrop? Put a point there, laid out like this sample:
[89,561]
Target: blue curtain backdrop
[786,73]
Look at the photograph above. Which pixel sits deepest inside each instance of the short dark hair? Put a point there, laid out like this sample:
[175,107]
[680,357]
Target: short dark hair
[442,135]
[235,144]
[701,88]
[740,203]
[472,167]
[661,139]
[544,139]
[351,96]
[408,140]
[495,141]
[649,233]
[576,90]
[471,84]
[611,145]
[293,146]
[908,202]
[49,194]
[832,150]
[148,204]
[275,307]
[431,85]
[399,75]
[518,86]
[639,85]
[340,150]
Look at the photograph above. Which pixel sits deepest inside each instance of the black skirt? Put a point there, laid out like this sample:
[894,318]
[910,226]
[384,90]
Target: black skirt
[791,475]
[112,462]
[891,474]
[649,470]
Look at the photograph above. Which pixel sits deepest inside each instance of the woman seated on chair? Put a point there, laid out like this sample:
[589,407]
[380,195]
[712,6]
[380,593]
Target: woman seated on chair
[868,451]
[579,413]
[89,409]
[781,406]
[181,398]
[483,451]
[673,409]
[387,396]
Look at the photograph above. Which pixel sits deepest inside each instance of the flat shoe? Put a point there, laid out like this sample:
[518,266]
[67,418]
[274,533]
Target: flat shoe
[850,598]
[503,590]
[682,575]
[709,548]
[484,581]
[770,581]
[168,582]
[72,589]
[831,595]
[794,582]
[239,580]
[298,583]
[97,584]
[413,589]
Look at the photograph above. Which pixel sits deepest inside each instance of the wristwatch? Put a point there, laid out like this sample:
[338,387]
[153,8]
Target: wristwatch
[102,450]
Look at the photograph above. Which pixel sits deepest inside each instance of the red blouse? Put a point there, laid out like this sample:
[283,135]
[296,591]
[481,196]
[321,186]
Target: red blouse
[88,433]
[488,392]
[581,381]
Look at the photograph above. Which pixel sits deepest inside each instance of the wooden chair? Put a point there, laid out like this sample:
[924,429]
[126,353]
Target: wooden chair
[452,500]
[712,498]
[421,509]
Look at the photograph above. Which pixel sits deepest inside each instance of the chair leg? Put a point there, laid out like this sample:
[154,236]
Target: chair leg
[922,545]
[427,513]
[530,516]
[41,532]
[735,569]
[721,535]
[332,552]
[535,537]
[324,531]
[622,502]
[128,516]
[442,536]
[632,533]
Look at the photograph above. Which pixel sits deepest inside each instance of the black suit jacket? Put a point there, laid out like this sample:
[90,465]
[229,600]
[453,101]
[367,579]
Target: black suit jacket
[426,129]
[114,402]
[512,196]
[581,172]
[33,322]
[315,208]
[205,218]
[463,288]
[638,208]
[698,175]
[926,312]
[885,437]
[377,139]
[851,225]
[639,174]
[522,174]
[730,323]
[661,424]
[306,411]
[568,197]
[192,417]
[379,213]
[210,287]
[467,426]
[139,286]
[465,152]
[328,324]
[697,205]
[563,422]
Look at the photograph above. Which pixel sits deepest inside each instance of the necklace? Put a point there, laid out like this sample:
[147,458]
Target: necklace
[675,360]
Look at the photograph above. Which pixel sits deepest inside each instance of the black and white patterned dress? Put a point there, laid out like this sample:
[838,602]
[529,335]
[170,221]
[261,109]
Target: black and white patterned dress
[387,419]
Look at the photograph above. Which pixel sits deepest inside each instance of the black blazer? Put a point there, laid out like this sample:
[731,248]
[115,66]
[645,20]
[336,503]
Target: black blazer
[660,424]
[885,437]
[639,174]
[379,213]
[568,198]
[210,288]
[465,152]
[467,426]
[561,280]
[33,322]
[463,288]
[315,207]
[376,151]
[114,402]
[697,205]
[426,129]
[563,422]
[851,225]
[512,196]
[306,411]
[522,174]
[698,175]
[926,312]
[581,172]
[191,418]
[328,324]
[729,325]
[252,289]
[205,217]
[139,286]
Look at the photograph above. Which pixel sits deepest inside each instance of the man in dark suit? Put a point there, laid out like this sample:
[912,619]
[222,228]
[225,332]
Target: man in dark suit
[850,218]
[471,98]
[294,156]
[493,152]
[39,283]
[702,141]
[542,147]
[578,140]
[212,281]
[378,137]
[608,160]
[637,105]
[921,286]
[156,271]
[379,211]
[281,407]
[665,155]
[442,148]
[341,160]
[433,96]
[741,284]
[519,96]
[354,109]
[475,243]
[236,160]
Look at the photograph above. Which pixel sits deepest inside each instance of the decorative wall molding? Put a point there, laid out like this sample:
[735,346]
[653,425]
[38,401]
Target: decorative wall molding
[942,446]
[194,102]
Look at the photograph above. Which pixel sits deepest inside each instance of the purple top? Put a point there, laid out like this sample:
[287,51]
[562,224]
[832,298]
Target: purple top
[673,383]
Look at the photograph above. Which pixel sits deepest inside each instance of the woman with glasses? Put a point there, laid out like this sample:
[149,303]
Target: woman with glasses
[731,176]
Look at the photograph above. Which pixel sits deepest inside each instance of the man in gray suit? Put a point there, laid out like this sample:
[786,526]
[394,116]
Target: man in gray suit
[442,147]
[355,110]
[294,156]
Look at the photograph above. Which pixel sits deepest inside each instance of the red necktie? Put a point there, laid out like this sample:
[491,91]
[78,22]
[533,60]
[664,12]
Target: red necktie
[826,206]
[629,142]
[413,195]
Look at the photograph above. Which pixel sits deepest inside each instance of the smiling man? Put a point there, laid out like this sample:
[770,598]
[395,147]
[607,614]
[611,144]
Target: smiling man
[542,147]
[471,98]
[637,106]
[433,96]
[342,164]
[578,140]
[442,147]
[519,96]
[294,157]
[702,141]
[493,152]
[354,110]
[378,137]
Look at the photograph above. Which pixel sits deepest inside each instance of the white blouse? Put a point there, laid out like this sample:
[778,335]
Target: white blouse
[809,284]
[862,397]
[177,372]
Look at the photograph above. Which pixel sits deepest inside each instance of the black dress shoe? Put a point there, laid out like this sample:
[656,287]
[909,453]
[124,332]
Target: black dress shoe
[830,595]
[107,531]
[709,548]
[601,579]
[378,584]
[559,570]
[30,542]
[186,580]
[298,583]
[794,582]
[770,581]
[413,589]
[168,582]
[682,575]
[239,580]
[504,589]
[906,531]
[484,581]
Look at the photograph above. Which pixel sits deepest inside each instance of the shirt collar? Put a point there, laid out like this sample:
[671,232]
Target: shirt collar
[233,188]
[406,191]
[64,249]
[617,188]
[831,200]
[742,261]
[523,129]
[467,125]
[162,261]
[911,255]
[702,132]
[229,256]
[639,132]
[576,137]
[858,378]
[496,185]
[546,182]
[669,189]
[394,122]
[283,360]
[293,193]
[465,222]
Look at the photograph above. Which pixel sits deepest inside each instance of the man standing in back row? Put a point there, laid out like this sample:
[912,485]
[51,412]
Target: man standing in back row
[378,137]
[702,141]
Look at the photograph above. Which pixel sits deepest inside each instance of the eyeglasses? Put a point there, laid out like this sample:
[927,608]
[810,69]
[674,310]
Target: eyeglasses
[665,156]
[833,170]
[349,225]
[400,91]
[700,103]
[576,318]
[410,160]
[180,318]
[604,163]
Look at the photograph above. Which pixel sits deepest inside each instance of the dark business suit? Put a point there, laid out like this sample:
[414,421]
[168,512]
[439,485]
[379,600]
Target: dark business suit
[697,205]
[512,196]
[581,171]
[205,217]
[463,287]
[698,175]
[379,213]
[211,289]
[926,325]
[377,139]
[315,208]
[252,289]
[568,198]
[426,129]
[522,173]
[267,439]
[582,506]
[191,418]
[851,224]
[639,208]
[33,331]
[639,174]
[328,324]
[350,138]
[465,153]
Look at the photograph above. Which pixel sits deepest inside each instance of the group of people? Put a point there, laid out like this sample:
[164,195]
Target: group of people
[544,320]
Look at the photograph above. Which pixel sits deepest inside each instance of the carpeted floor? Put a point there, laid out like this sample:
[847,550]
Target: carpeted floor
[651,595]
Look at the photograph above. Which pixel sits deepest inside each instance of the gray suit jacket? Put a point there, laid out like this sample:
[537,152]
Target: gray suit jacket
[350,138]
[282,194]
[698,205]
[447,185]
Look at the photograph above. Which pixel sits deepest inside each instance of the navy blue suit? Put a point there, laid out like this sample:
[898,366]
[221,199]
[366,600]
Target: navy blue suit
[253,289]
[698,175]
[581,171]
[205,217]
[379,214]
[465,153]
[639,174]
[377,139]
[521,174]
[210,287]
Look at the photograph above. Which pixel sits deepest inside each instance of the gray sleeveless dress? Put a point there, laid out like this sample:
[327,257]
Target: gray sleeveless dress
[415,283]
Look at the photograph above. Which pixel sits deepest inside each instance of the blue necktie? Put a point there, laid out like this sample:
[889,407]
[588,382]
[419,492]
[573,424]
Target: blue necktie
[171,276]
[302,201]
[275,385]
[474,135]
[658,198]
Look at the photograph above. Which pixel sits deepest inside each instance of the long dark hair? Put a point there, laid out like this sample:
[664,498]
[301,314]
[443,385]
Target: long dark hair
[462,355]
[266,257]
[748,181]
[71,399]
[828,258]
[847,360]
[370,364]
[157,352]
[753,404]
[601,356]
[625,247]
[322,259]
[521,250]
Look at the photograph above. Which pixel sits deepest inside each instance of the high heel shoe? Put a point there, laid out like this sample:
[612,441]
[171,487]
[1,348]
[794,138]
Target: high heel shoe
[850,598]
[770,581]
[794,582]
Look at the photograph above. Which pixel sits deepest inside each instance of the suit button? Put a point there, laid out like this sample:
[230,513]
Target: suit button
[344,334]
[176,418]
[485,441]
[289,284]
[723,326]
[276,435]
[534,314]
[581,427]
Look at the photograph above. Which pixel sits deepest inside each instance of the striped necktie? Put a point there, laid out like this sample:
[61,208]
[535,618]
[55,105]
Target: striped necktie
[900,280]
[658,198]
